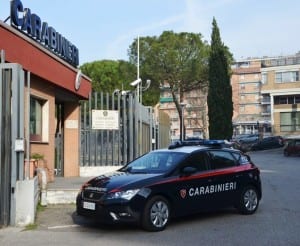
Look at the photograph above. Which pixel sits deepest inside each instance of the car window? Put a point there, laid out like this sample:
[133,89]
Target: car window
[156,161]
[198,160]
[297,143]
[221,159]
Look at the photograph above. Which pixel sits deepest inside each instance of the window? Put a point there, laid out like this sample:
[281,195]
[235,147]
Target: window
[290,121]
[221,159]
[198,160]
[242,108]
[284,77]
[38,120]
[264,78]
[197,133]
[288,99]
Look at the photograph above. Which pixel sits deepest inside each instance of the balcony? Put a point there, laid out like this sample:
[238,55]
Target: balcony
[265,100]
[166,99]
[265,113]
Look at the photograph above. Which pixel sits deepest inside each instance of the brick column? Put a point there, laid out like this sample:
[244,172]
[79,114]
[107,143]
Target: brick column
[71,139]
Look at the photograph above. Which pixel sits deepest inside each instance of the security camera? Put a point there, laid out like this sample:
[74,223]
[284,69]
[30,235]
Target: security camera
[136,82]
[123,93]
[116,91]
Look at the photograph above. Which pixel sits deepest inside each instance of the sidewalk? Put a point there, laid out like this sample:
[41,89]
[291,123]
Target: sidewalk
[68,183]
[64,190]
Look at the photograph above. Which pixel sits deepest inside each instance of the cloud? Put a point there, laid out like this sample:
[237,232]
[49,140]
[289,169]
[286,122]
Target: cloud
[123,41]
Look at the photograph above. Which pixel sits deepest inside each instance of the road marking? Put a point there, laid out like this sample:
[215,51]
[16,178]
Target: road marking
[62,226]
[268,171]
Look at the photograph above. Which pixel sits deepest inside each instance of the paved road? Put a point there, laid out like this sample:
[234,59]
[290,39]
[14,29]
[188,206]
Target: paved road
[277,221]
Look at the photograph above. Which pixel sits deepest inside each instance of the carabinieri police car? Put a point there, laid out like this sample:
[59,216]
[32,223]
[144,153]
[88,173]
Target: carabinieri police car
[183,179]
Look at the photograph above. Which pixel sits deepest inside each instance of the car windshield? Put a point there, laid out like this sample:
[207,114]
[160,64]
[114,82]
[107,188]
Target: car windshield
[154,162]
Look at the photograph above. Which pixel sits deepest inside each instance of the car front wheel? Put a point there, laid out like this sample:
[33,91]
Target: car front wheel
[249,201]
[156,214]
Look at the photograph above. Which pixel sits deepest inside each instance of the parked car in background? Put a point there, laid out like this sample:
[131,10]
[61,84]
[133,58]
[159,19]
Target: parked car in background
[245,141]
[249,138]
[292,147]
[269,143]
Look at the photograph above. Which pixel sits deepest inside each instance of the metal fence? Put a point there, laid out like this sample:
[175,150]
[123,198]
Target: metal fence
[138,133]
[11,137]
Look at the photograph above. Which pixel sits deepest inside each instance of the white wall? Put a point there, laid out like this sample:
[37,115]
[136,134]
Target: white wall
[27,196]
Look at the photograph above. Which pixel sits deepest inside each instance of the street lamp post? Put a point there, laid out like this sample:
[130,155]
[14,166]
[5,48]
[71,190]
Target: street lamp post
[182,105]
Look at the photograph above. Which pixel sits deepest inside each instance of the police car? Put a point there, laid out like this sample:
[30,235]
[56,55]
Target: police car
[186,178]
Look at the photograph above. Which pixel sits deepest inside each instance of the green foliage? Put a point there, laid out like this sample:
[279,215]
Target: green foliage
[40,207]
[37,156]
[30,227]
[179,59]
[108,75]
[220,106]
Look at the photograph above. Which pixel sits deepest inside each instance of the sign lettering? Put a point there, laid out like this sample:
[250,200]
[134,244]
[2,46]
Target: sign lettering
[32,25]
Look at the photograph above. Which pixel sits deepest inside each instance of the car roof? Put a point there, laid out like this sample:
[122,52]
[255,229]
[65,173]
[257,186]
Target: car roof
[191,146]
[183,149]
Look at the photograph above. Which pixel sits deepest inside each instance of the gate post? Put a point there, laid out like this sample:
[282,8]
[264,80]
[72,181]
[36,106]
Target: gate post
[12,137]
[5,143]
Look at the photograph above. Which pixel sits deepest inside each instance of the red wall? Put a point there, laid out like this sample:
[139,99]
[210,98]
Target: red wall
[34,58]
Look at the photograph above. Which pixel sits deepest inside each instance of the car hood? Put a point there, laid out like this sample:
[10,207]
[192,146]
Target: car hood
[121,180]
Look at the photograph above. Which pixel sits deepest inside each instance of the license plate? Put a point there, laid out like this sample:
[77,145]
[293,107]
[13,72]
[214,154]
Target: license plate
[89,205]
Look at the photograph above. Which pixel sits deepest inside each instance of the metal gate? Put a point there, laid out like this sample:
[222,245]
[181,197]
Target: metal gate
[137,133]
[12,137]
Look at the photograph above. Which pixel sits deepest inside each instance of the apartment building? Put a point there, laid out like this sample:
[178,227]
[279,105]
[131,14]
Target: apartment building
[194,113]
[281,87]
[266,96]
[248,116]
[266,100]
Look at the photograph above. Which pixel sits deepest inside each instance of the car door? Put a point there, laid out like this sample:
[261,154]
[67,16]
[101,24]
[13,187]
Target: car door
[295,148]
[224,178]
[191,178]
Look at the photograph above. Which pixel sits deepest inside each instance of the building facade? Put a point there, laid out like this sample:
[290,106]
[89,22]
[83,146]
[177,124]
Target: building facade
[266,96]
[281,87]
[55,86]
[194,113]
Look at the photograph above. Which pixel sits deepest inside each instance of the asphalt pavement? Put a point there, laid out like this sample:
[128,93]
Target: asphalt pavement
[275,223]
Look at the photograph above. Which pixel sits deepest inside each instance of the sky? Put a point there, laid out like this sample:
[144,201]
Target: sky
[104,29]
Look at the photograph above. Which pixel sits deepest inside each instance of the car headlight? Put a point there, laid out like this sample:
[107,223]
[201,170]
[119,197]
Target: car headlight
[126,194]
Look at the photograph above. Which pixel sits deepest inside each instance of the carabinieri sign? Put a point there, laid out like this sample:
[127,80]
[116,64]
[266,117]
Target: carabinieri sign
[32,25]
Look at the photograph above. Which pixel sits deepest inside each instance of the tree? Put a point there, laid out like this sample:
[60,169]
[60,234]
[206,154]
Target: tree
[177,59]
[108,75]
[219,99]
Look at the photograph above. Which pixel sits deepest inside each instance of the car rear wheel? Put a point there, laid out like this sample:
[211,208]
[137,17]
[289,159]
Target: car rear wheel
[249,201]
[156,214]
